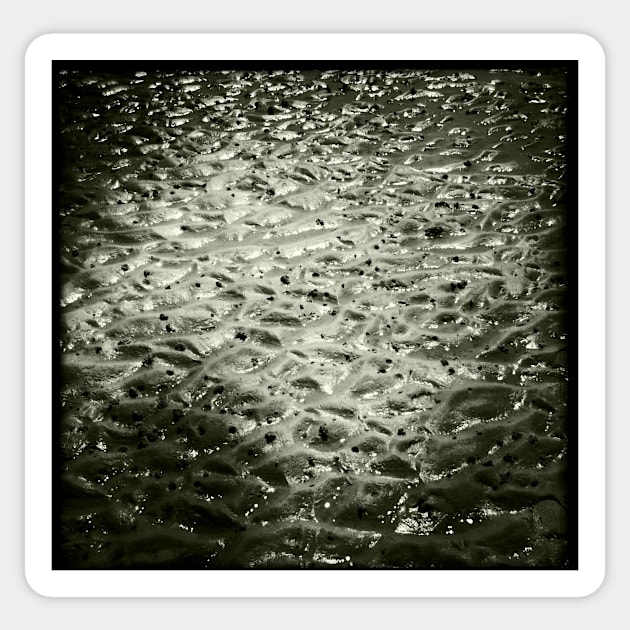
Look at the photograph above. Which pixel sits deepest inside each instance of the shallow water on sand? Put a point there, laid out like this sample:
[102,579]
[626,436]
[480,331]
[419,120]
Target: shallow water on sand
[313,319]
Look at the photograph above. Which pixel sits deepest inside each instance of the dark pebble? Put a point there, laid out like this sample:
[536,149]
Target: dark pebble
[434,232]
[144,442]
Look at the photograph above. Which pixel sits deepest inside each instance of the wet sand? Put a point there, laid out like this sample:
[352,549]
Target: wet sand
[314,319]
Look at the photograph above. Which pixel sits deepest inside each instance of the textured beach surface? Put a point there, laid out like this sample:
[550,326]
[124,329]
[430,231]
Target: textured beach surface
[313,319]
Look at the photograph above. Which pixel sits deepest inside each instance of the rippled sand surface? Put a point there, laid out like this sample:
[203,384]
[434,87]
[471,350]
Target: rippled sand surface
[313,319]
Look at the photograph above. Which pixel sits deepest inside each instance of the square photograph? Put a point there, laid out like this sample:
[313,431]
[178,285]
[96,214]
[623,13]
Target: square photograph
[313,316]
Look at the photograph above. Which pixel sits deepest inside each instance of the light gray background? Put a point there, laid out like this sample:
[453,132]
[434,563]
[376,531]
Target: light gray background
[605,20]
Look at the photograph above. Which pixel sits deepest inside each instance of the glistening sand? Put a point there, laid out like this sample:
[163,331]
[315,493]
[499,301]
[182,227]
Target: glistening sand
[314,319]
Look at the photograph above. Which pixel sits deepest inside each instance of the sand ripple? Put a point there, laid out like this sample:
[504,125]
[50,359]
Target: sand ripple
[313,319]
